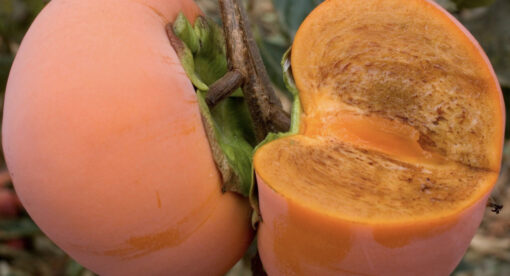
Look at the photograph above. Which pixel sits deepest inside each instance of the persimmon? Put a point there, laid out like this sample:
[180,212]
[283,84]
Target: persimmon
[106,148]
[396,150]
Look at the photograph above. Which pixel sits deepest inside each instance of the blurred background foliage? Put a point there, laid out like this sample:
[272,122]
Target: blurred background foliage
[24,250]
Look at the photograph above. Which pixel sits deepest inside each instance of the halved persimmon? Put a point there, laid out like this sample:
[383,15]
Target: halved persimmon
[399,144]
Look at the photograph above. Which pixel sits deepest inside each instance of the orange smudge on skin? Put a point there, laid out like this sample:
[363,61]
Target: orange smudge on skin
[142,245]
[159,199]
[303,240]
[188,130]
[393,236]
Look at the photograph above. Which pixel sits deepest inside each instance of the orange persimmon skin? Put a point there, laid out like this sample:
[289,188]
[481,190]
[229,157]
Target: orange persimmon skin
[296,240]
[105,145]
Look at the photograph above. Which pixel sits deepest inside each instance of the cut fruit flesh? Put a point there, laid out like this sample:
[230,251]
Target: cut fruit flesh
[342,179]
[403,117]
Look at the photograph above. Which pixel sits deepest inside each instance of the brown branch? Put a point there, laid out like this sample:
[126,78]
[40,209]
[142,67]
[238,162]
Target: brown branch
[265,108]
[224,87]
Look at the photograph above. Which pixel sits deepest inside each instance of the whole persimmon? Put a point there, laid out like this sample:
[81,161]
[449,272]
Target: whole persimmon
[106,148]
[397,149]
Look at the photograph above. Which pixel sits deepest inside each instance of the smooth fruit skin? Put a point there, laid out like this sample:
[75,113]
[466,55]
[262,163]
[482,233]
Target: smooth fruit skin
[104,142]
[296,240]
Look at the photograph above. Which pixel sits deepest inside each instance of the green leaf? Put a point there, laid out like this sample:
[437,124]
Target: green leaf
[271,55]
[506,96]
[292,12]
[288,79]
[491,28]
[17,228]
[5,65]
[210,59]
[35,6]
[469,4]
[447,5]
[74,269]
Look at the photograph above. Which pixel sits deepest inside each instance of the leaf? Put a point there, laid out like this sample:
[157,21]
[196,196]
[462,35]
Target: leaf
[469,4]
[35,6]
[231,132]
[271,55]
[492,29]
[447,5]
[506,96]
[5,65]
[17,228]
[292,12]
[74,269]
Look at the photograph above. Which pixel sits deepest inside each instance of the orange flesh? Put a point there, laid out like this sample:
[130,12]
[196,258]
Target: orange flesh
[402,115]
[397,139]
[344,180]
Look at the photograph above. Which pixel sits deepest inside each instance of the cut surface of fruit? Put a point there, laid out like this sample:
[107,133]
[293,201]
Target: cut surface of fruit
[341,179]
[403,117]
[404,62]
[398,148]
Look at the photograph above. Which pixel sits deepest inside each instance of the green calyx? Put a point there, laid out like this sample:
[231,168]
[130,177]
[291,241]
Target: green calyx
[201,50]
[183,29]
[178,37]
[295,116]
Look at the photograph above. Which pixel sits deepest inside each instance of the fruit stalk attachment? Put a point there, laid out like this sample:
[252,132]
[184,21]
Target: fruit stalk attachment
[237,103]
[224,87]
[242,53]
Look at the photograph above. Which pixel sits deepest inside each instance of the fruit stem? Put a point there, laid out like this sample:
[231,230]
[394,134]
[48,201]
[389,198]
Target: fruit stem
[224,87]
[242,53]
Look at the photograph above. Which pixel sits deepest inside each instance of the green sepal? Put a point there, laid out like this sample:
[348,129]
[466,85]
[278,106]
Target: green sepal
[228,125]
[188,63]
[288,80]
[177,39]
[211,60]
[295,116]
[183,29]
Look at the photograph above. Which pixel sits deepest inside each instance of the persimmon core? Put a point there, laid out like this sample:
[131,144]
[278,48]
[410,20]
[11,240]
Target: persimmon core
[402,116]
